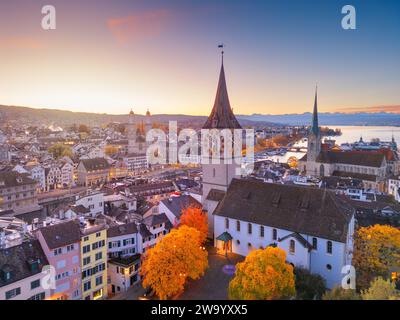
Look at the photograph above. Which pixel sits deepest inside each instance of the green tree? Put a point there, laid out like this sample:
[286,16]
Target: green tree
[308,286]
[60,150]
[381,289]
[339,293]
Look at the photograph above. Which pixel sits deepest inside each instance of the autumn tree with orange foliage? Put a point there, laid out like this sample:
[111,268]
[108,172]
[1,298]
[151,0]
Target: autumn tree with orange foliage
[195,217]
[177,257]
[376,250]
[111,150]
[263,275]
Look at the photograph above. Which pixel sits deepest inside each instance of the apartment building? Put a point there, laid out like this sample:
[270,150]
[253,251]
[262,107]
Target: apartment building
[17,192]
[21,274]
[93,172]
[93,259]
[93,201]
[61,245]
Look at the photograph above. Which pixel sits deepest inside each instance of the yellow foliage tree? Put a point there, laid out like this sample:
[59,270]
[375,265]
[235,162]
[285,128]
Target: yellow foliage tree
[263,275]
[177,257]
[59,150]
[194,217]
[381,289]
[292,162]
[376,251]
[110,150]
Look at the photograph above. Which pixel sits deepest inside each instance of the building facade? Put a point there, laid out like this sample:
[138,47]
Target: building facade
[17,192]
[93,260]
[61,245]
[21,274]
[368,166]
[313,226]
[93,172]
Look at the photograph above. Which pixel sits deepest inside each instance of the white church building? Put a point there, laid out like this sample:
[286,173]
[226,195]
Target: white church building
[314,226]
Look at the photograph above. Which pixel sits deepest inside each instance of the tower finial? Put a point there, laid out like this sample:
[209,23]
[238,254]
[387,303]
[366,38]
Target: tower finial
[222,46]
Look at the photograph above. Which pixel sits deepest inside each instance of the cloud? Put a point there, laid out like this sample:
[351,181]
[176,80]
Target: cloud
[20,43]
[138,26]
[374,109]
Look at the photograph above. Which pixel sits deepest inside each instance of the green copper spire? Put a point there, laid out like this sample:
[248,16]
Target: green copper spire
[314,127]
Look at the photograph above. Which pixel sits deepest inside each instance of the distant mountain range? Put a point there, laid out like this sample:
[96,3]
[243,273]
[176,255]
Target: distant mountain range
[338,118]
[65,118]
[62,117]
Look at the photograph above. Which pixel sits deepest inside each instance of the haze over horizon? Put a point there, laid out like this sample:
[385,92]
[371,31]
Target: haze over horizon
[110,57]
[371,110]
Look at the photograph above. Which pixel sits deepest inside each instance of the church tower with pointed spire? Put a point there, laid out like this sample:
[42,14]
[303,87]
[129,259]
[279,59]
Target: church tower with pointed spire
[131,132]
[218,176]
[314,137]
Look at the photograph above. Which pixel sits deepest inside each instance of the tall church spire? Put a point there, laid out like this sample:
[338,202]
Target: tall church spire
[222,116]
[315,127]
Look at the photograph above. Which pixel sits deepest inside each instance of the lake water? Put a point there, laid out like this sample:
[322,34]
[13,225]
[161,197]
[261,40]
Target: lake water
[351,134]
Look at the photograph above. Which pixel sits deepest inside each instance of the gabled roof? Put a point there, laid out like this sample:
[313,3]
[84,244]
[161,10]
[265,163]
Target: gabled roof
[95,164]
[144,232]
[225,237]
[355,175]
[177,204]
[358,158]
[80,209]
[299,238]
[222,116]
[61,234]
[120,230]
[17,260]
[311,211]
[13,179]
[215,195]
[156,219]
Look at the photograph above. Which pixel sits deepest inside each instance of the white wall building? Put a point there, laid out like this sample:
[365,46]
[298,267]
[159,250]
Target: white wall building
[313,226]
[92,200]
[67,175]
[394,187]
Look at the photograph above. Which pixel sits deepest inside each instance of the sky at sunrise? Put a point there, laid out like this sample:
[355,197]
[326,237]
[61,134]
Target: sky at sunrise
[110,56]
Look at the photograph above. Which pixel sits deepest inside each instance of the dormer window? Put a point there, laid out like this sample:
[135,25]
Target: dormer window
[6,273]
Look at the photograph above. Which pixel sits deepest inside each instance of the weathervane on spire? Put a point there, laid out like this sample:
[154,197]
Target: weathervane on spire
[222,46]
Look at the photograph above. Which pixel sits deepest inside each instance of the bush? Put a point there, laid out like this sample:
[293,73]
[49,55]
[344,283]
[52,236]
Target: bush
[339,293]
[381,289]
[308,286]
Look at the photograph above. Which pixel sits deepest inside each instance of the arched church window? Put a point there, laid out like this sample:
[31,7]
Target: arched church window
[274,234]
